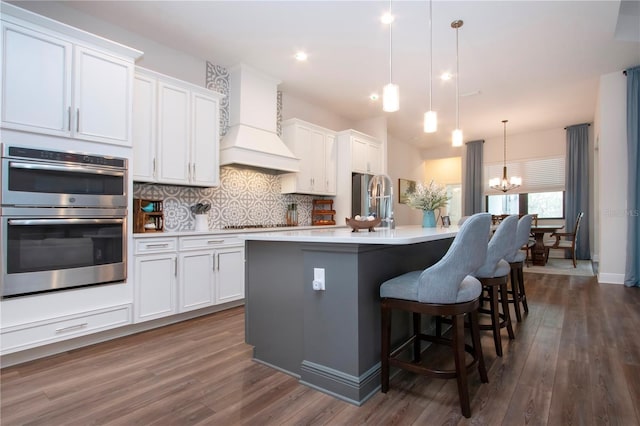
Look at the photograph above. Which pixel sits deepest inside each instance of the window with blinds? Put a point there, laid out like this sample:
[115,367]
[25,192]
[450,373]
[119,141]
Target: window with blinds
[538,175]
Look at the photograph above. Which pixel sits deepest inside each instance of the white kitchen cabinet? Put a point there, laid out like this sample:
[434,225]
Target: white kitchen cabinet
[196,280]
[37,81]
[178,126]
[366,154]
[144,128]
[155,278]
[102,97]
[60,85]
[173,134]
[38,333]
[181,274]
[230,274]
[315,147]
[211,271]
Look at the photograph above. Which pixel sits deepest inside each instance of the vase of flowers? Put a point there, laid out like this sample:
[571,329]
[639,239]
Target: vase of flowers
[428,198]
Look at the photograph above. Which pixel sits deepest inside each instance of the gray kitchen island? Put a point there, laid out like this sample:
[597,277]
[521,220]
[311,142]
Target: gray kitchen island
[329,339]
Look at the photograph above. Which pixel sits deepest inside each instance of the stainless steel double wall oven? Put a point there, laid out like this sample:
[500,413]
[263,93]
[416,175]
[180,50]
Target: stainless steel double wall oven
[63,220]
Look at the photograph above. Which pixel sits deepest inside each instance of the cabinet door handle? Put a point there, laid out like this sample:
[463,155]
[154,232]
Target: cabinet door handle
[162,245]
[71,328]
[175,267]
[154,167]
[218,261]
[78,120]
[213,261]
[215,241]
[69,118]
[194,171]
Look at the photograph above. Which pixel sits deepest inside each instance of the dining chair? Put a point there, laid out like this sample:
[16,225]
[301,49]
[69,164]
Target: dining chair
[565,240]
[444,289]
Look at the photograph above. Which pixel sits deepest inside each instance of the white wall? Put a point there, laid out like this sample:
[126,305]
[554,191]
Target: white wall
[611,137]
[156,57]
[546,143]
[294,107]
[404,161]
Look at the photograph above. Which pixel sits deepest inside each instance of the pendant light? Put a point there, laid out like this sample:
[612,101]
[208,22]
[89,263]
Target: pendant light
[505,184]
[456,135]
[390,92]
[430,117]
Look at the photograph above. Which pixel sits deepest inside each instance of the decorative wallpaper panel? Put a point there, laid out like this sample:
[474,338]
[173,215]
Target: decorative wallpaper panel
[244,197]
[217,79]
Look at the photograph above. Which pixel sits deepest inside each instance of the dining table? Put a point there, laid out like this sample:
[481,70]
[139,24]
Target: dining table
[537,251]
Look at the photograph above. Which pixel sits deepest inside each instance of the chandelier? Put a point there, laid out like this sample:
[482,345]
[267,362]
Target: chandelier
[505,184]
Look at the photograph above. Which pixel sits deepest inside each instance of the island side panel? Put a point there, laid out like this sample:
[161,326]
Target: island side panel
[274,303]
[342,323]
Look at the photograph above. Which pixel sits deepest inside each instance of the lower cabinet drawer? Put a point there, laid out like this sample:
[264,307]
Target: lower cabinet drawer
[25,336]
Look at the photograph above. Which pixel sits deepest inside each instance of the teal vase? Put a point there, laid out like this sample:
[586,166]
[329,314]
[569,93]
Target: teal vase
[428,219]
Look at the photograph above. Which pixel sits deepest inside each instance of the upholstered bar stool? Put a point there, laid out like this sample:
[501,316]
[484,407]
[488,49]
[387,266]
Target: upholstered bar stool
[493,276]
[444,289]
[516,262]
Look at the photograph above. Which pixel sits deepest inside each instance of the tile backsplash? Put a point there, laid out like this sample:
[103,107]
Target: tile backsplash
[244,197]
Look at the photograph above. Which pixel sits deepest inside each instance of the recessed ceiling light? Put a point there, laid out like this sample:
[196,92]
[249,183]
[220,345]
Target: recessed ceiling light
[301,56]
[387,18]
[374,96]
[446,76]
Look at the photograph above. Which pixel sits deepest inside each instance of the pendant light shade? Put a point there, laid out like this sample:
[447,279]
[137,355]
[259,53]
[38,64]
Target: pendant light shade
[456,135]
[391,98]
[390,92]
[430,117]
[430,122]
[505,184]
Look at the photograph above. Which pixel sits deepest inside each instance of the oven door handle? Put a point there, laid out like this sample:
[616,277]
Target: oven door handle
[73,221]
[54,168]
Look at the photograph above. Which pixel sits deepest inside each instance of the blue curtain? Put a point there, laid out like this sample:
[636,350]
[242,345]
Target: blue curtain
[632,271]
[473,183]
[577,185]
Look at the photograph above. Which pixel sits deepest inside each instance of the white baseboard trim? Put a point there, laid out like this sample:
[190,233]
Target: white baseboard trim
[608,278]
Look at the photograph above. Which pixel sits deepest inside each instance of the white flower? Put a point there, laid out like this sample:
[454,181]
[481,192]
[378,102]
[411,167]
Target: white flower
[429,197]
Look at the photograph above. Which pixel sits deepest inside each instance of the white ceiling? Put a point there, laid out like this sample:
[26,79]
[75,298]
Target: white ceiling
[535,63]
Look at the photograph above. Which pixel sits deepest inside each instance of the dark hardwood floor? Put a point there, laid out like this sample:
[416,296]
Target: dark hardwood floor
[575,360]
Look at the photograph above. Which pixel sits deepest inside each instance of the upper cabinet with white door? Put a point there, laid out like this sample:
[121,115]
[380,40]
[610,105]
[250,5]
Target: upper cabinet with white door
[176,131]
[366,152]
[315,146]
[64,82]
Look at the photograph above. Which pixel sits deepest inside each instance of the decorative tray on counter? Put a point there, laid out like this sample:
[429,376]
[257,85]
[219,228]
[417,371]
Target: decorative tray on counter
[356,225]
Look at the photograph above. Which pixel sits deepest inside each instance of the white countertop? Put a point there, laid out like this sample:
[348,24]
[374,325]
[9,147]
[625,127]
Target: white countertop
[234,232]
[400,235]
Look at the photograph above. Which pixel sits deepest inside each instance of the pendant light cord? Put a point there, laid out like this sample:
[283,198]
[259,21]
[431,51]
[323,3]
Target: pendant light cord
[430,57]
[504,159]
[457,82]
[390,44]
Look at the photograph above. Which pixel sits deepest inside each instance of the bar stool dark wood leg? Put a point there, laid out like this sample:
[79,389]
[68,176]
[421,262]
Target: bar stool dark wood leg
[505,310]
[515,291]
[458,353]
[523,294]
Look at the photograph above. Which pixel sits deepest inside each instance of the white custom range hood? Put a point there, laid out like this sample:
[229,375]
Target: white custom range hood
[252,139]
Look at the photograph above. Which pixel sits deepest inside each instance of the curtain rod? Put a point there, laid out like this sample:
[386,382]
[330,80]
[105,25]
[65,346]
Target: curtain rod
[588,124]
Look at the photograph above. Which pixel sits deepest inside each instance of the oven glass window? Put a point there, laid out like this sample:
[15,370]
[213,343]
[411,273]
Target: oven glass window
[34,247]
[64,182]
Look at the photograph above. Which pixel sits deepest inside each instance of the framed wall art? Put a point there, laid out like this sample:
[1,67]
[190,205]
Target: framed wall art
[405,186]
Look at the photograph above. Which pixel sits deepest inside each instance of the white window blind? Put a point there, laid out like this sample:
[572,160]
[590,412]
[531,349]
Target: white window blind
[538,175]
